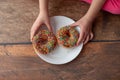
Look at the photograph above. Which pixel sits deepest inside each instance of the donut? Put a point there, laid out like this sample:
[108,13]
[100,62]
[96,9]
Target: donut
[44,42]
[67,36]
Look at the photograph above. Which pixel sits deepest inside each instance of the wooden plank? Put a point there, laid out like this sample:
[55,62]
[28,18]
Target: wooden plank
[105,27]
[17,17]
[97,61]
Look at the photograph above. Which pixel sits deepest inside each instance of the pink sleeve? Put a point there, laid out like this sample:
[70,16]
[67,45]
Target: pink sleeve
[112,6]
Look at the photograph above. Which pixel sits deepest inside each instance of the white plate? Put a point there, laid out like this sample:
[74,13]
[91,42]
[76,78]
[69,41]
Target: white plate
[61,55]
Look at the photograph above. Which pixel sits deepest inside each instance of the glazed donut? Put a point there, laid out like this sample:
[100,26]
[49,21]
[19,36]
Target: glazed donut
[44,42]
[67,36]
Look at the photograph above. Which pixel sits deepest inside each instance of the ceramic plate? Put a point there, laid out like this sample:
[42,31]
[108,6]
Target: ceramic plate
[61,55]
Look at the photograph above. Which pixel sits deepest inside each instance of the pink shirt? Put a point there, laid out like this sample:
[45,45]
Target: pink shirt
[112,6]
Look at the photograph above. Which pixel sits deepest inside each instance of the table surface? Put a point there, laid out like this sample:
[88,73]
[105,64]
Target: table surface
[99,59]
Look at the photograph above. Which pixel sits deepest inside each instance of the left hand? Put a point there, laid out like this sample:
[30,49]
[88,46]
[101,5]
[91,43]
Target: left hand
[86,33]
[42,18]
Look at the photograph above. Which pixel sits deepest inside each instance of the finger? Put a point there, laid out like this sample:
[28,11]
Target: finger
[49,26]
[81,38]
[86,40]
[34,30]
[91,36]
[73,25]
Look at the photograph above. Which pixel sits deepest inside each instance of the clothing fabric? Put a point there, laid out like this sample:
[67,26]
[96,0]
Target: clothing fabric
[112,6]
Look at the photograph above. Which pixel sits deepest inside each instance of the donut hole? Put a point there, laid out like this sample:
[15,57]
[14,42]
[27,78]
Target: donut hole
[43,40]
[68,34]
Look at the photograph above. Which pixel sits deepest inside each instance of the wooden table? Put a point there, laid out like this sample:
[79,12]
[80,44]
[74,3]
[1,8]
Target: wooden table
[99,59]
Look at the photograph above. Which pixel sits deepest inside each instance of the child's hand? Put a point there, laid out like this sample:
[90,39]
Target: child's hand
[41,19]
[85,28]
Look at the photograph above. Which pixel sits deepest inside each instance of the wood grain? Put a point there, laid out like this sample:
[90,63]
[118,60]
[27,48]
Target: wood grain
[17,17]
[97,61]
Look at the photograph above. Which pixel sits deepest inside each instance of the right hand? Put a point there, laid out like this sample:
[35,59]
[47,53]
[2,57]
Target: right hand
[86,33]
[41,19]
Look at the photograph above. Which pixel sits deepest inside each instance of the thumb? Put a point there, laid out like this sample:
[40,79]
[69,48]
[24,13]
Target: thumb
[34,30]
[73,25]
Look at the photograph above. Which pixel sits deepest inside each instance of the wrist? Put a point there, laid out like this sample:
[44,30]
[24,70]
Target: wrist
[43,11]
[43,16]
[89,18]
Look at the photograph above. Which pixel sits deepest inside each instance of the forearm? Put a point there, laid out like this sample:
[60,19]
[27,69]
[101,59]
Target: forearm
[95,7]
[43,6]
